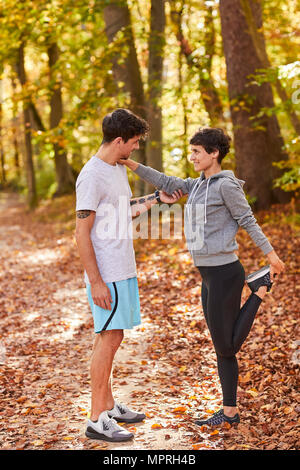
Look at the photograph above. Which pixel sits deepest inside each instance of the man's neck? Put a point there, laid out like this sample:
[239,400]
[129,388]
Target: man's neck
[107,156]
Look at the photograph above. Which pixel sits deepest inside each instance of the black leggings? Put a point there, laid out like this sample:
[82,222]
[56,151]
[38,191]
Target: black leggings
[228,323]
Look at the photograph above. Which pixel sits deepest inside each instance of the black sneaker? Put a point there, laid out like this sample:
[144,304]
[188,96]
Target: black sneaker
[218,418]
[260,278]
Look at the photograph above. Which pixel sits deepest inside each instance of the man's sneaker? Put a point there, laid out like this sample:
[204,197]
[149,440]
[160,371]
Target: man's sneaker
[123,414]
[259,278]
[107,429]
[218,418]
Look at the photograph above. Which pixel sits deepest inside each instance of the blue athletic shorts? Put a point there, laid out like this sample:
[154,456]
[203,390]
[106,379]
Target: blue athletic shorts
[125,307]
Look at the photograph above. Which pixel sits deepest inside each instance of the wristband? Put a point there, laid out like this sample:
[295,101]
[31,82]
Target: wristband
[157,196]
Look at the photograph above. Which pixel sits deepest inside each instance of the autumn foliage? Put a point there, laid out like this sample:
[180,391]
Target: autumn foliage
[166,367]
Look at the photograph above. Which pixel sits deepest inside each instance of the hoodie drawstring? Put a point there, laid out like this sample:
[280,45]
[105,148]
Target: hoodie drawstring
[205,203]
[197,186]
[193,190]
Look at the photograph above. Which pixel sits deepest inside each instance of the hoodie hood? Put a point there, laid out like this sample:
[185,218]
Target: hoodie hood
[223,174]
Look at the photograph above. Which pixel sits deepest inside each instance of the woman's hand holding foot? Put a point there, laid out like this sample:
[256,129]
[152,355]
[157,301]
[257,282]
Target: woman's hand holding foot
[276,265]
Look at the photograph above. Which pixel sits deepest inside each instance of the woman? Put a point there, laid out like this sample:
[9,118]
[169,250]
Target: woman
[215,209]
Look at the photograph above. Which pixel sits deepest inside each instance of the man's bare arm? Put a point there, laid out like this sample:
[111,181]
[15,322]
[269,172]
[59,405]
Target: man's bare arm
[100,292]
[140,205]
[143,204]
[84,223]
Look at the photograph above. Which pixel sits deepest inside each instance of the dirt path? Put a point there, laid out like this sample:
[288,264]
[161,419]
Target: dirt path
[165,367]
[46,342]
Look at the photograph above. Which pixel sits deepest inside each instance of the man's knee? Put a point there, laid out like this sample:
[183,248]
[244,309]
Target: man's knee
[112,338]
[117,336]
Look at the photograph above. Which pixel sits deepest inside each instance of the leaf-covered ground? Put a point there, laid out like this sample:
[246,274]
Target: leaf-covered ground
[165,367]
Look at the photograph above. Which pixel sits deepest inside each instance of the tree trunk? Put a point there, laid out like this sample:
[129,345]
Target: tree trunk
[258,141]
[127,73]
[64,176]
[31,184]
[3,173]
[2,159]
[184,104]
[259,44]
[155,76]
[203,65]
[14,131]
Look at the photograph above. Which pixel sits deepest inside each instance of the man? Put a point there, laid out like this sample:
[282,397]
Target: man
[104,214]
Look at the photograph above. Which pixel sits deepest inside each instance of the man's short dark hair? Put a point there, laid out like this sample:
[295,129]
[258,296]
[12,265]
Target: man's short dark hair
[211,139]
[123,123]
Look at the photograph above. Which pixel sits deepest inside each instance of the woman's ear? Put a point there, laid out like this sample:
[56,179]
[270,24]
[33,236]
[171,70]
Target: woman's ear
[216,154]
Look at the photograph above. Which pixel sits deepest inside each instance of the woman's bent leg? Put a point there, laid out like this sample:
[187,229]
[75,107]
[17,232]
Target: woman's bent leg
[228,324]
[221,310]
[245,321]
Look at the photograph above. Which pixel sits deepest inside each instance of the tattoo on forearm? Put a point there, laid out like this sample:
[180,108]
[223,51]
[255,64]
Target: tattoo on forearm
[142,200]
[83,214]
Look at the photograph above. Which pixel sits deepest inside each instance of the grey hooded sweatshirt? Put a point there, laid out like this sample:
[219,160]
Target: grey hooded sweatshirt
[215,209]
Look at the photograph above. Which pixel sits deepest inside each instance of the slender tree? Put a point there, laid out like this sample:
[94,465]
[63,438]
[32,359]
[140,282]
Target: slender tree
[64,176]
[202,65]
[155,76]
[30,174]
[183,99]
[14,130]
[3,173]
[127,70]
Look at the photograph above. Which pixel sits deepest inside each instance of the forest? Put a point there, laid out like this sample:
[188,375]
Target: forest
[178,64]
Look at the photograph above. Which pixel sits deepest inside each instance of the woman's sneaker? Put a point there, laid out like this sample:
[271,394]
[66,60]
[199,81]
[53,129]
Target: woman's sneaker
[123,414]
[260,278]
[107,429]
[218,418]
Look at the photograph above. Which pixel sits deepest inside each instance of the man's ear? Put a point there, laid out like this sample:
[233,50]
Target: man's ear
[118,140]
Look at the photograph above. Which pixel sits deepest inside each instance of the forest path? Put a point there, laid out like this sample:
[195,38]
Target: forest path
[165,367]
[47,336]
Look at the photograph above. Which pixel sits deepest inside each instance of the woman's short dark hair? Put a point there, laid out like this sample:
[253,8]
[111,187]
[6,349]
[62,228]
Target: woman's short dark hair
[123,123]
[212,138]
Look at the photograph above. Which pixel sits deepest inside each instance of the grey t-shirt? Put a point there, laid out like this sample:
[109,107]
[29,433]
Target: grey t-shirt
[104,188]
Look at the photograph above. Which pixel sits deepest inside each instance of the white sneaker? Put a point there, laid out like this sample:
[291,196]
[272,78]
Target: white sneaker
[107,429]
[123,414]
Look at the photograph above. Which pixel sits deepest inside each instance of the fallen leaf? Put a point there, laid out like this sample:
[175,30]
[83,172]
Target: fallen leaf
[156,426]
[38,443]
[180,409]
